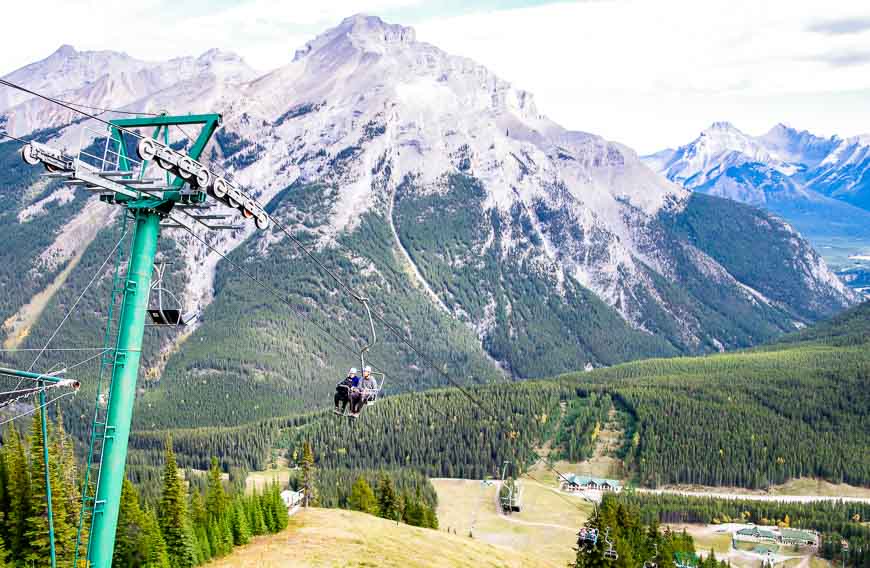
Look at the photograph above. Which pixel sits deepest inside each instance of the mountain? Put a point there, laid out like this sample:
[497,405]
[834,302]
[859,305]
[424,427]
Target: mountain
[500,242]
[818,185]
[106,79]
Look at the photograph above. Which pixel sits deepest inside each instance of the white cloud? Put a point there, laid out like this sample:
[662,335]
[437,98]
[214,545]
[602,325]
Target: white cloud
[265,32]
[654,73]
[649,73]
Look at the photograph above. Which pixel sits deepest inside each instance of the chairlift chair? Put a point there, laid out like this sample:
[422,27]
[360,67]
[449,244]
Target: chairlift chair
[652,562]
[168,316]
[610,553]
[588,535]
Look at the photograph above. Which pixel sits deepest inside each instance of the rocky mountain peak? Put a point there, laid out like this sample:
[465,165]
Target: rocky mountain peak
[360,32]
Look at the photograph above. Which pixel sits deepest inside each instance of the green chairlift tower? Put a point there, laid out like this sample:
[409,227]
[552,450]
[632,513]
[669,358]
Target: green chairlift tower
[106,165]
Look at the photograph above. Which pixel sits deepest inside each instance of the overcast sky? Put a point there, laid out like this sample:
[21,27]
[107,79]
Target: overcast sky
[648,73]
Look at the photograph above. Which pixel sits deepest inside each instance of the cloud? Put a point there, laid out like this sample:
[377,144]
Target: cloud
[847,58]
[840,26]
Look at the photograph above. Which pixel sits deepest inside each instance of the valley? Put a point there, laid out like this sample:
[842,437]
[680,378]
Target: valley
[669,349]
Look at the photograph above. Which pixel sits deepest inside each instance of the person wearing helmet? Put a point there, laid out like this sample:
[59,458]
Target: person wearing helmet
[343,391]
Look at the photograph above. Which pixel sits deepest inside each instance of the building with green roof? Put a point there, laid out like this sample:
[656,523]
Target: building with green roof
[794,536]
[581,482]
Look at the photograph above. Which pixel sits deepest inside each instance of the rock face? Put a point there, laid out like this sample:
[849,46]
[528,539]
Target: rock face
[553,248]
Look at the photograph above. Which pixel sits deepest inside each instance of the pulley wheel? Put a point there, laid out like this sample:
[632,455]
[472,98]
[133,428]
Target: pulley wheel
[262,221]
[147,149]
[29,154]
[220,188]
[203,178]
[186,168]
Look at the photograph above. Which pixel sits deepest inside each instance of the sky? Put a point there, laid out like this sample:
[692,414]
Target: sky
[648,73]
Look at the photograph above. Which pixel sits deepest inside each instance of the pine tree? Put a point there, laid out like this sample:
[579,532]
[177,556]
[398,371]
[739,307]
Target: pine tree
[412,514]
[37,529]
[255,515]
[152,542]
[174,523]
[308,475]
[362,498]
[127,537]
[430,519]
[4,556]
[239,523]
[388,502]
[280,514]
[199,520]
[216,497]
[18,492]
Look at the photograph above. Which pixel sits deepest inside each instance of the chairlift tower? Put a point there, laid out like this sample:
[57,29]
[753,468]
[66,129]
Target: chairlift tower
[121,180]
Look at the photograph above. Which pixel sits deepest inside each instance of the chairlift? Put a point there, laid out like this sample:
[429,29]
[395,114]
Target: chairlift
[161,314]
[588,536]
[369,395]
[651,563]
[610,553]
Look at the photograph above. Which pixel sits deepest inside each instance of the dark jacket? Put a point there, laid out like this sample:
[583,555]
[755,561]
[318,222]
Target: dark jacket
[347,382]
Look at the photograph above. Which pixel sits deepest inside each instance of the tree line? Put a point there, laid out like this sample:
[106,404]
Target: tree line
[625,541]
[189,524]
[834,520]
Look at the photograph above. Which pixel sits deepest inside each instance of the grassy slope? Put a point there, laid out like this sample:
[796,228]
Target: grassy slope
[546,527]
[324,537]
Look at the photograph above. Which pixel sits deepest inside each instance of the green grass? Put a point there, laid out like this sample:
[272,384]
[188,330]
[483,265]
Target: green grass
[335,538]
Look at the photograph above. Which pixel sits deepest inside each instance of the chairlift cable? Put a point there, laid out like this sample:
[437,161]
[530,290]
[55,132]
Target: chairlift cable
[73,307]
[37,407]
[268,289]
[15,138]
[72,108]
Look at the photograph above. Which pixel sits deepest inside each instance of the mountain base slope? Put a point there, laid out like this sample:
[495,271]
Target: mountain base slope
[334,537]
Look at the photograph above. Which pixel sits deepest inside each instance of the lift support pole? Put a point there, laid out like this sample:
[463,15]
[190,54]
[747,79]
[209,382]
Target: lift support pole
[147,212]
[137,287]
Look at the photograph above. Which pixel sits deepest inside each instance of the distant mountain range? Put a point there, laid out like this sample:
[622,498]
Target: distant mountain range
[819,185]
[493,236]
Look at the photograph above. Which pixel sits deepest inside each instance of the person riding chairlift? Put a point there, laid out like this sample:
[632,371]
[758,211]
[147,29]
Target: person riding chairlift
[362,392]
[343,390]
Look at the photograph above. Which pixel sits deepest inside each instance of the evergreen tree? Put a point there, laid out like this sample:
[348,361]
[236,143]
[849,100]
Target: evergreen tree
[152,541]
[362,498]
[239,523]
[128,534]
[174,523]
[308,475]
[388,502]
[199,520]
[412,514]
[216,497]
[37,526]
[279,509]
[4,555]
[255,515]
[18,492]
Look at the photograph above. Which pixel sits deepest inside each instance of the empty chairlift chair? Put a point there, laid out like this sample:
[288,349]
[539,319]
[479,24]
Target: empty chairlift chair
[161,313]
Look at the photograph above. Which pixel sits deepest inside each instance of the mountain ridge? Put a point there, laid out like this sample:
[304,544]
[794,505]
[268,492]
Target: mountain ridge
[550,248]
